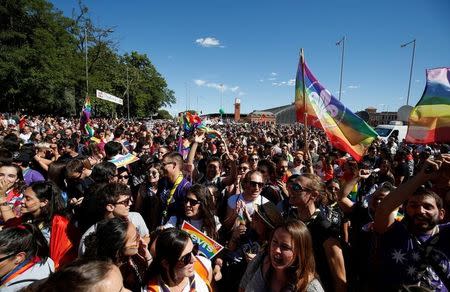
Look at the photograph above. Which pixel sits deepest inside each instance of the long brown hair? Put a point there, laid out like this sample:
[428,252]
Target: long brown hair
[303,269]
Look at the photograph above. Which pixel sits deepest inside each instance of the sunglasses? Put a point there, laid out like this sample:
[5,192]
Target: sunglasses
[153,173]
[333,189]
[298,188]
[191,202]
[125,202]
[187,258]
[256,184]
[123,176]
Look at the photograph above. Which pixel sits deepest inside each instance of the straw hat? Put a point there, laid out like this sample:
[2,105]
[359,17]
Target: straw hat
[269,214]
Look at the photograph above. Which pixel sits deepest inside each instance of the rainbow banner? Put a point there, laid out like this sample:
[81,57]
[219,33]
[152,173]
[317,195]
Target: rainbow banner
[123,160]
[206,245]
[429,121]
[190,122]
[345,130]
[85,118]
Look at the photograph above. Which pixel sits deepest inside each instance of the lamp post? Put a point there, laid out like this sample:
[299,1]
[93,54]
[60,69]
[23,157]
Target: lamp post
[412,64]
[221,97]
[128,95]
[342,41]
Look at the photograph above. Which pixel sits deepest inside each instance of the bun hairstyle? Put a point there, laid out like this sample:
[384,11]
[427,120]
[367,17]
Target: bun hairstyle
[24,238]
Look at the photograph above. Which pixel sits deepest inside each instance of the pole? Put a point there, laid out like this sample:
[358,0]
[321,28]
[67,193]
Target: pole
[411,69]
[221,98]
[305,119]
[128,95]
[185,85]
[342,64]
[86,60]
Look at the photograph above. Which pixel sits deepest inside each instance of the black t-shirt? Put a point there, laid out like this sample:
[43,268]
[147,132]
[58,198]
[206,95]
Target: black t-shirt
[321,230]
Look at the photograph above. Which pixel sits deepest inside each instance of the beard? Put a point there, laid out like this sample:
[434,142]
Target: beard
[421,223]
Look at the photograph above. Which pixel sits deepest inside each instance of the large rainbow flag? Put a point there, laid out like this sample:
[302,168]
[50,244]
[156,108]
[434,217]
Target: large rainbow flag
[429,121]
[344,129]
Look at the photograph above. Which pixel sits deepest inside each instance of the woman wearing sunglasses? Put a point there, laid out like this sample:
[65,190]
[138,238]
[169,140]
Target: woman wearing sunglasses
[147,201]
[304,193]
[23,257]
[286,265]
[198,211]
[175,266]
[117,240]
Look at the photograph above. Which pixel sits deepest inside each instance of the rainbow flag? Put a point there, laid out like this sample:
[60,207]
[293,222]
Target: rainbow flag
[429,121]
[206,245]
[344,129]
[123,160]
[85,118]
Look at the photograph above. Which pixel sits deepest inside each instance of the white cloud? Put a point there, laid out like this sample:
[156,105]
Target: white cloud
[290,82]
[274,74]
[353,86]
[208,42]
[199,82]
[272,79]
[261,80]
[220,87]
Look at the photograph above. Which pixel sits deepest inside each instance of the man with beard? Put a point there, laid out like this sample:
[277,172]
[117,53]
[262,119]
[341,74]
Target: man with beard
[415,251]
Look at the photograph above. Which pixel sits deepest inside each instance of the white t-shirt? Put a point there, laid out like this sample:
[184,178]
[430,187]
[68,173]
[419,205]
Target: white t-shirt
[250,205]
[134,217]
[200,285]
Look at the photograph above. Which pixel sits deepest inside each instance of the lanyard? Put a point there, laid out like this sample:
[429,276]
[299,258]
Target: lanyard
[21,268]
[169,199]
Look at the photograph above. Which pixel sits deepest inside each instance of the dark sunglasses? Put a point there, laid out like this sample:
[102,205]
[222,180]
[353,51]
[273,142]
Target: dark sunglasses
[123,176]
[256,184]
[191,202]
[333,189]
[187,258]
[7,257]
[298,188]
[125,202]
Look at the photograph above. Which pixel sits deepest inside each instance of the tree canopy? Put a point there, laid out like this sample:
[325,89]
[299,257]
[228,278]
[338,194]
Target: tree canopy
[42,65]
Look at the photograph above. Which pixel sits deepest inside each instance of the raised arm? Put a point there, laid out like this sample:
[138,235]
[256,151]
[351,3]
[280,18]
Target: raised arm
[430,169]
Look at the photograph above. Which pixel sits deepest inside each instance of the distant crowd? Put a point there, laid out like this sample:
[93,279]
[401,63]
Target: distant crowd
[105,213]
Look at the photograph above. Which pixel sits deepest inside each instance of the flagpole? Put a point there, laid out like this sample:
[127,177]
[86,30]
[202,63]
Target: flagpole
[86,61]
[342,64]
[412,64]
[305,118]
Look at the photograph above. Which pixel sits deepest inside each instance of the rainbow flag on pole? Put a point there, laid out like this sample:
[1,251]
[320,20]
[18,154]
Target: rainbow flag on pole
[85,118]
[206,245]
[344,129]
[429,121]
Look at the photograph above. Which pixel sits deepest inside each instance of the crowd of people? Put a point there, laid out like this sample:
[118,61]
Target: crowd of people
[292,212]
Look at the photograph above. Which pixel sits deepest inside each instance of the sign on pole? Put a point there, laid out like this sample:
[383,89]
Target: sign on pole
[109,97]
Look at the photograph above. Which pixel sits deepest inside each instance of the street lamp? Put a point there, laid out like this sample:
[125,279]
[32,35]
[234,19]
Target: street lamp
[342,41]
[412,64]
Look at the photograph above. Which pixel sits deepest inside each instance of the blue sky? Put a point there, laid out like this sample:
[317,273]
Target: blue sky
[252,47]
